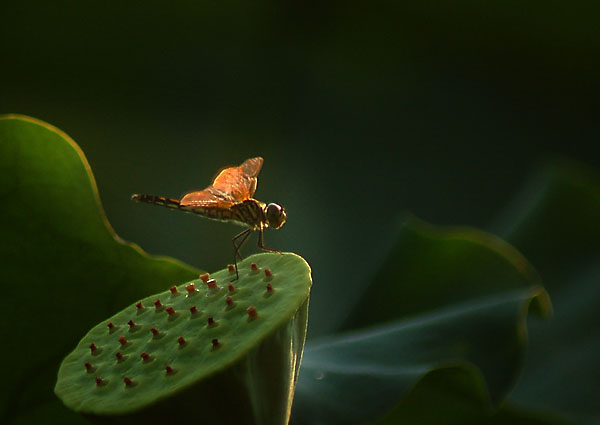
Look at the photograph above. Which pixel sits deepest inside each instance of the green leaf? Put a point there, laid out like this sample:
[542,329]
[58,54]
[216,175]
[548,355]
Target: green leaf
[433,267]
[445,326]
[225,343]
[442,396]
[66,269]
[358,376]
[555,221]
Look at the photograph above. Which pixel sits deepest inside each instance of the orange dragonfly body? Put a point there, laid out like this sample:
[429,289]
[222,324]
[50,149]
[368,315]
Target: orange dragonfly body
[230,198]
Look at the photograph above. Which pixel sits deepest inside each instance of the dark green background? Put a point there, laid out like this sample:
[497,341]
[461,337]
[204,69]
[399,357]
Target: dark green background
[361,110]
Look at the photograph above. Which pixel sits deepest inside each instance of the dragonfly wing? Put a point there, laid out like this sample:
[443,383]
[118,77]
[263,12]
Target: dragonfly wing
[230,186]
[251,167]
[207,198]
[239,182]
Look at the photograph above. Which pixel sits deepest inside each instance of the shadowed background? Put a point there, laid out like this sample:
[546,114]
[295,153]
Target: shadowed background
[360,112]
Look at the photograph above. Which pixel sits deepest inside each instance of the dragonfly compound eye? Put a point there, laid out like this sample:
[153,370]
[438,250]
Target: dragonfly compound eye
[276,215]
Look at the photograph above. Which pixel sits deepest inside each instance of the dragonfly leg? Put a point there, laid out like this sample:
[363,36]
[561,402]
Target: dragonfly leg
[261,244]
[236,248]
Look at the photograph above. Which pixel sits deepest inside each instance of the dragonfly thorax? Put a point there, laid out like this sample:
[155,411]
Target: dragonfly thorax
[275,215]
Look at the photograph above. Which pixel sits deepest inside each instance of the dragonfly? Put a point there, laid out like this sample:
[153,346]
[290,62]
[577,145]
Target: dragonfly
[230,198]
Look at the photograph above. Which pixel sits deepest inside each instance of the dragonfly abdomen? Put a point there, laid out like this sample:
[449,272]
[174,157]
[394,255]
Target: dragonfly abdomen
[216,214]
[250,212]
[157,200]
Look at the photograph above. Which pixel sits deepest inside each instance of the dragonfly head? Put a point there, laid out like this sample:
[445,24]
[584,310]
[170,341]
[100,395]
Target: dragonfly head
[275,215]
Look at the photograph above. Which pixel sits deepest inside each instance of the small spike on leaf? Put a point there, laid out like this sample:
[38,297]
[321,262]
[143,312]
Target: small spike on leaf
[111,326]
[252,312]
[193,309]
[191,289]
[205,277]
[215,343]
[128,382]
[230,268]
[211,283]
[173,289]
[131,324]
[181,340]
[230,287]
[168,369]
[269,287]
[93,347]
[157,304]
[139,306]
[154,331]
[123,340]
[89,367]
[211,321]
[268,273]
[229,301]
[119,356]
[170,310]
[254,267]
[99,381]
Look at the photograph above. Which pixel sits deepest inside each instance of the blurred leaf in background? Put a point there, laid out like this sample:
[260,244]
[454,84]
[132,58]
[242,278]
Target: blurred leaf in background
[441,324]
[416,292]
[555,222]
